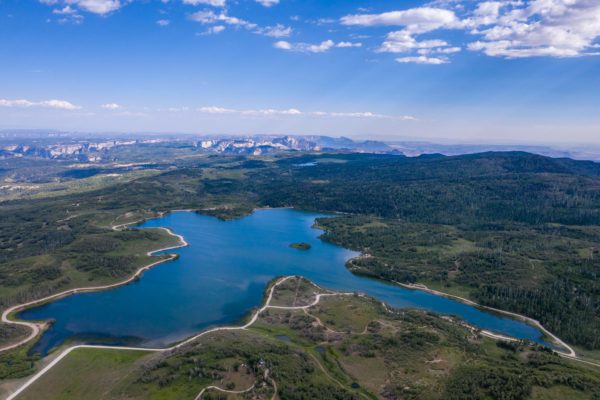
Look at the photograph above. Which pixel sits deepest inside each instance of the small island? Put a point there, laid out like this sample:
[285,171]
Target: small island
[300,246]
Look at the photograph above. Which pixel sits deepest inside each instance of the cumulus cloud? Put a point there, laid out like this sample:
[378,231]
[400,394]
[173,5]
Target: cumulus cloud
[276,31]
[557,28]
[213,30]
[271,111]
[215,110]
[502,28]
[283,45]
[322,47]
[210,17]
[214,3]
[403,41]
[267,3]
[110,106]
[22,103]
[264,112]
[66,10]
[416,20]
[348,44]
[422,60]
[497,28]
[100,7]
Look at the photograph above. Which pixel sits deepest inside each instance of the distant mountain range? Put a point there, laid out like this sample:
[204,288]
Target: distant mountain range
[258,145]
[417,148]
[97,148]
[90,150]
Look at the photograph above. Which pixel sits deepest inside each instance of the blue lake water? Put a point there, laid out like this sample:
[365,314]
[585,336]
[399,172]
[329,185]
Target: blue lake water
[221,276]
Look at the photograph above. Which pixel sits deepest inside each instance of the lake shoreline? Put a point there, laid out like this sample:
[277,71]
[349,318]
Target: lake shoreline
[36,326]
[252,313]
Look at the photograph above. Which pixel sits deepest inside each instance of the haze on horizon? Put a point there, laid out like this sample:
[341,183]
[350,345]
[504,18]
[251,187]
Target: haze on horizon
[462,70]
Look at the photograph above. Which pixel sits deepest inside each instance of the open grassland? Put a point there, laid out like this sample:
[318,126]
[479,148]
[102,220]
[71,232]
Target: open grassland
[345,347]
[87,374]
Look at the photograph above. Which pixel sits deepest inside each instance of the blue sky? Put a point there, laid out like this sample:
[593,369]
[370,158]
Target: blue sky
[462,70]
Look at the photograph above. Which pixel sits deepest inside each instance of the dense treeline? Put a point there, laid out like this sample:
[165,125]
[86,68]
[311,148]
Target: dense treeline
[485,187]
[547,273]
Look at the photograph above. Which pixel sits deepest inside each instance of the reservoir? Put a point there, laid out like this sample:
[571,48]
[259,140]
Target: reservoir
[221,276]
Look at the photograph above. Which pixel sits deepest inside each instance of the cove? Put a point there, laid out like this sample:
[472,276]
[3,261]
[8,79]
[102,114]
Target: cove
[222,275]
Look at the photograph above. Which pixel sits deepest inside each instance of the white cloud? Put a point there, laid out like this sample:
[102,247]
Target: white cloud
[557,28]
[366,114]
[502,28]
[322,47]
[97,6]
[210,17]
[163,22]
[110,106]
[416,20]
[276,31]
[422,60]
[268,3]
[271,112]
[283,45]
[215,110]
[214,3]
[22,103]
[445,50]
[348,44]
[100,7]
[487,12]
[66,10]
[213,30]
[403,41]
[263,112]
[204,17]
[16,103]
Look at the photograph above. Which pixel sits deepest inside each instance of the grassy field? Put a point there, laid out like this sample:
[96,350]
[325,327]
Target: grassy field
[87,374]
[346,347]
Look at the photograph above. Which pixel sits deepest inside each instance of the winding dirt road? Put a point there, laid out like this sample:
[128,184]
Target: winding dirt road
[255,316]
[570,353]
